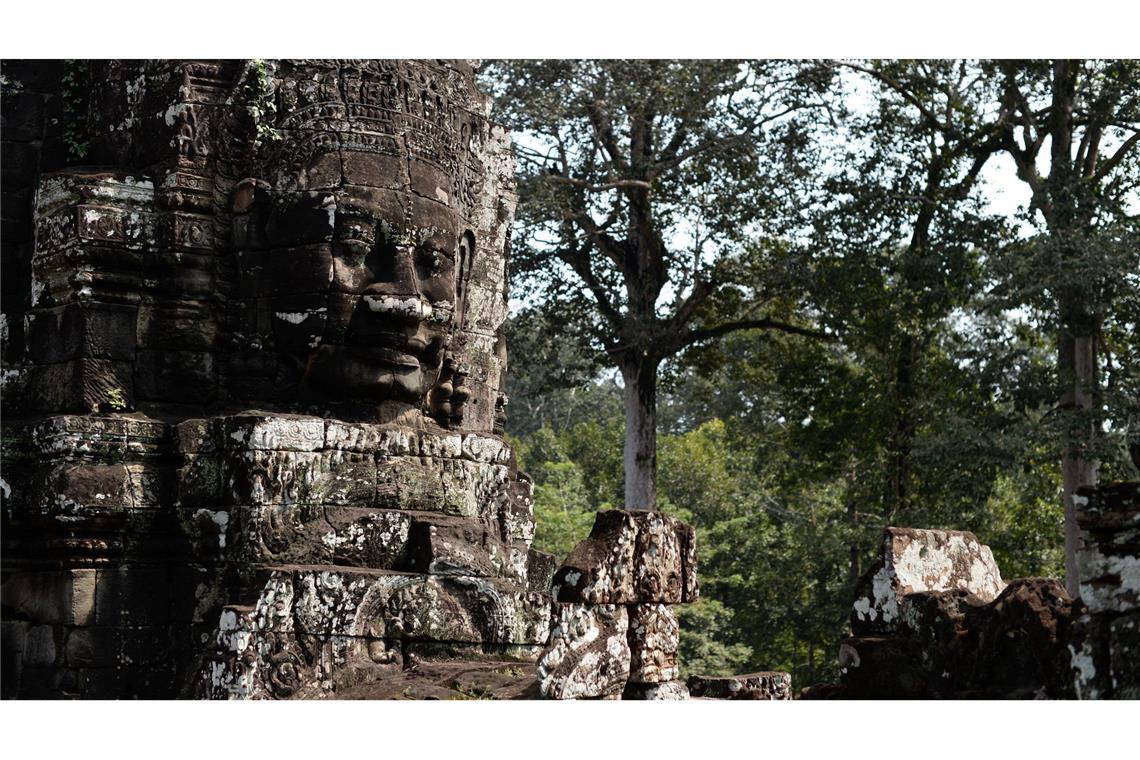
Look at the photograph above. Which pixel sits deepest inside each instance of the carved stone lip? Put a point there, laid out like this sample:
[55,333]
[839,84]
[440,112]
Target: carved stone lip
[356,246]
[387,355]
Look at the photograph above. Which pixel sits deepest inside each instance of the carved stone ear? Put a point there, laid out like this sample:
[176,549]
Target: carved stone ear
[249,202]
[464,261]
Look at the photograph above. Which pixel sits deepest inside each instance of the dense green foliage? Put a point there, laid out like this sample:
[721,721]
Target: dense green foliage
[774,495]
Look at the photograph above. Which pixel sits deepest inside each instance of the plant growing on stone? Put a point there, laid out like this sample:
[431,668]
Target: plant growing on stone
[75,118]
[257,90]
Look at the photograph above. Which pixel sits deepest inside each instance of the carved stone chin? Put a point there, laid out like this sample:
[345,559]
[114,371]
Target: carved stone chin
[254,380]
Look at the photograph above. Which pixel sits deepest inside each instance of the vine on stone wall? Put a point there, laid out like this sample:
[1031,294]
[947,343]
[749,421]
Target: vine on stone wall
[74,92]
[257,91]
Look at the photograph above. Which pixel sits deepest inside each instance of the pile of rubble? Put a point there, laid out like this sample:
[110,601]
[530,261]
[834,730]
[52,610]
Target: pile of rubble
[933,618]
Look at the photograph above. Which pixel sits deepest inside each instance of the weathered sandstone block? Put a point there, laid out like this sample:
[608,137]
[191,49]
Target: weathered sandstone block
[588,655]
[765,685]
[921,560]
[631,558]
[445,545]
[929,624]
[653,639]
[253,359]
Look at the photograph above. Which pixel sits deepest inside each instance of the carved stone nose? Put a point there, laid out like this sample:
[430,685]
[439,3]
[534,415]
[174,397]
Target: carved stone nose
[392,272]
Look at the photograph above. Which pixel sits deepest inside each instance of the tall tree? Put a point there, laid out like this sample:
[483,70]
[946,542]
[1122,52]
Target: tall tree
[640,183]
[896,240]
[1073,131]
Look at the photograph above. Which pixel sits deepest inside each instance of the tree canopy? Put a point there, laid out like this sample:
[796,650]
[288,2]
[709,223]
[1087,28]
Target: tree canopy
[912,361]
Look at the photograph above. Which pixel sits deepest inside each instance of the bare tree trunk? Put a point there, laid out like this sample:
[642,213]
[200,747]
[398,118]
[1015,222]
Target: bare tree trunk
[854,570]
[904,431]
[639,372]
[1077,359]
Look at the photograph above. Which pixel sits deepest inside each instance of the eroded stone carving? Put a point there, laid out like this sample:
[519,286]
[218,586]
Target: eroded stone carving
[615,634]
[253,406]
[631,558]
[588,655]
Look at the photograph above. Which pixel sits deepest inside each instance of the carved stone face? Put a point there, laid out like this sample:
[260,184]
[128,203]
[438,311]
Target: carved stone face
[367,279]
[394,289]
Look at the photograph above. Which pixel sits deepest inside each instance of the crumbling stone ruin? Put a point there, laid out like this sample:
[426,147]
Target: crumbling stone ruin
[933,618]
[614,634]
[252,365]
[1105,641]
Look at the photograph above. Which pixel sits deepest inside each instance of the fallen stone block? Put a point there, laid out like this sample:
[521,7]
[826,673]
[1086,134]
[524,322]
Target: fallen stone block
[921,560]
[771,684]
[666,691]
[588,654]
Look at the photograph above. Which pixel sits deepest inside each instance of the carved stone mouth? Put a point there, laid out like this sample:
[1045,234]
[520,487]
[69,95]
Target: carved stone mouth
[355,245]
[388,355]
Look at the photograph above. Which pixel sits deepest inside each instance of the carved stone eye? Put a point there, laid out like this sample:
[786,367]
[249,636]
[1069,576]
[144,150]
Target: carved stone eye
[430,261]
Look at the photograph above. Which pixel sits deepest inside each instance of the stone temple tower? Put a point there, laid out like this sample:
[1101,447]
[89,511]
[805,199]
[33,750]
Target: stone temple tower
[252,373]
